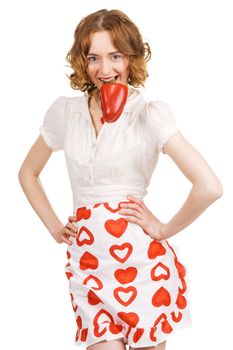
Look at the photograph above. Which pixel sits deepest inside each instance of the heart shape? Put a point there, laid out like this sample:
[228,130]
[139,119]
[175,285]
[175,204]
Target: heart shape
[181,301]
[83,213]
[155,249]
[184,286]
[166,327]
[73,303]
[131,318]
[161,297]
[121,247]
[81,332]
[181,269]
[127,290]
[176,318]
[88,261]
[108,207]
[127,275]
[113,98]
[92,298]
[116,227]
[138,334]
[69,275]
[104,317]
[96,282]
[85,233]
[154,273]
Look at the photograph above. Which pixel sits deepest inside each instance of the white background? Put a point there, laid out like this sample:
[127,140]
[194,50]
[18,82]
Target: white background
[191,69]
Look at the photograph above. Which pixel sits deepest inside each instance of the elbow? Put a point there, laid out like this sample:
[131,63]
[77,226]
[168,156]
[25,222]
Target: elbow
[214,191]
[24,175]
[209,191]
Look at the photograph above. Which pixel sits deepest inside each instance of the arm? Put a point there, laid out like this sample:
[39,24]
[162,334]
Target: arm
[206,186]
[29,180]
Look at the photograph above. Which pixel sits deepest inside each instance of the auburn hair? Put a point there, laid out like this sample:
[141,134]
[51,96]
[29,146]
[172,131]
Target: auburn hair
[126,38]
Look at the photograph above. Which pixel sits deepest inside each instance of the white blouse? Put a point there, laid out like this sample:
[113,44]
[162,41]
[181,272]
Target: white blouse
[121,160]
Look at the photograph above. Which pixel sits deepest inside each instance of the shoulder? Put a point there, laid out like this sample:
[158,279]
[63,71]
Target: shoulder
[159,113]
[157,106]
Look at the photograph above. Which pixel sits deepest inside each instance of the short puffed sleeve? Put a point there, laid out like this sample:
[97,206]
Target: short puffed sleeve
[53,124]
[160,122]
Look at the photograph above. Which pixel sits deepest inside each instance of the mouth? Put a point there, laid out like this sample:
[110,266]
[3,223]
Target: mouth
[109,80]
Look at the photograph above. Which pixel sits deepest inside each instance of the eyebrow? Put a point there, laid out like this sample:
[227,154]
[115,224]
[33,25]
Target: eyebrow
[110,53]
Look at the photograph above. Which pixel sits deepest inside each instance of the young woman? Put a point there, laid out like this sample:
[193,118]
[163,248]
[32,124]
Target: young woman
[126,283]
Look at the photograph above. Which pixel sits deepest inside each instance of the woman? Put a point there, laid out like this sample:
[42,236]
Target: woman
[126,283]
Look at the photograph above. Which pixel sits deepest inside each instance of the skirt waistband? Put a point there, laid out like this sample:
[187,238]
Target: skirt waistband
[93,205]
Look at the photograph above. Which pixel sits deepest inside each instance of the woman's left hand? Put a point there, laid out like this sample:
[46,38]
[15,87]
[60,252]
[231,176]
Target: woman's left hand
[137,212]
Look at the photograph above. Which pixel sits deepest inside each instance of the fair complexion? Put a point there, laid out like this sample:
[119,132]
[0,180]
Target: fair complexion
[206,187]
[105,60]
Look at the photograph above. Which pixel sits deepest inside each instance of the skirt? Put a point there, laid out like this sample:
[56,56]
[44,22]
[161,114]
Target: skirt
[123,284]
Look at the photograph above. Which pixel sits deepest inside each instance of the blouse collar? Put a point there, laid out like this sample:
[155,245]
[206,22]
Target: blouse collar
[80,103]
[135,96]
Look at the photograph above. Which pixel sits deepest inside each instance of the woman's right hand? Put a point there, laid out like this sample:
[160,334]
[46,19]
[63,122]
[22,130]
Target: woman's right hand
[62,236]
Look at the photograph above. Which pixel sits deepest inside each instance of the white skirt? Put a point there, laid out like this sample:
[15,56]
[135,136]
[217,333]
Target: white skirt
[123,284]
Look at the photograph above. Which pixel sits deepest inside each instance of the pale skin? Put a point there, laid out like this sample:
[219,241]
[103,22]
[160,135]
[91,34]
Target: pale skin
[206,187]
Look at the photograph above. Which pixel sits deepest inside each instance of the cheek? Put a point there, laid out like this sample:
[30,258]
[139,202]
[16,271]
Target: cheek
[91,68]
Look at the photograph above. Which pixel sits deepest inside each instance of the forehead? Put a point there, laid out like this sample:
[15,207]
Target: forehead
[101,42]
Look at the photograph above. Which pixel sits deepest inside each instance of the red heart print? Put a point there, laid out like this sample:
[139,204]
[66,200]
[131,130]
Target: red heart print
[88,261]
[181,301]
[121,247]
[69,275]
[127,275]
[102,318]
[138,334]
[154,274]
[166,327]
[181,269]
[85,233]
[127,290]
[176,318]
[116,227]
[155,249]
[109,208]
[73,303]
[161,297]
[81,332]
[95,282]
[131,318]
[83,213]
[92,298]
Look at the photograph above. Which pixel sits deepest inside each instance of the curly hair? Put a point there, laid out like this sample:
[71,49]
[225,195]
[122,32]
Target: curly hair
[126,38]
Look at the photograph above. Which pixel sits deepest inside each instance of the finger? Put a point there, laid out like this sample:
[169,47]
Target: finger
[131,213]
[134,220]
[72,227]
[137,200]
[72,218]
[65,239]
[133,206]
[70,232]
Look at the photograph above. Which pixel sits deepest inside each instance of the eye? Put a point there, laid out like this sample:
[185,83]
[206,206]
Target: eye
[92,58]
[117,56]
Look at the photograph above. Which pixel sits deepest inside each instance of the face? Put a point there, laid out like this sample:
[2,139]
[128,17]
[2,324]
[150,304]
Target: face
[105,61]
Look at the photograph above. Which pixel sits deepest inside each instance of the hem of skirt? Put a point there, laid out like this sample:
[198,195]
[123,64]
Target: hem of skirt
[109,336]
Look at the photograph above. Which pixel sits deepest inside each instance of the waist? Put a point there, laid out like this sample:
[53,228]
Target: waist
[87,196]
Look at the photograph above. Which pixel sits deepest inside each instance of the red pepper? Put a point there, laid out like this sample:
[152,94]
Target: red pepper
[113,98]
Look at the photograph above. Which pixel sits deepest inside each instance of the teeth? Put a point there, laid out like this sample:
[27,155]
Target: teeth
[108,80]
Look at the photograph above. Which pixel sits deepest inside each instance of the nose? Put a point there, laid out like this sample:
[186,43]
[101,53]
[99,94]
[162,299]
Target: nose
[105,68]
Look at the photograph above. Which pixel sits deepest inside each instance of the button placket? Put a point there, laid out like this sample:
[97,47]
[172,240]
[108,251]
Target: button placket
[92,157]
[93,151]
